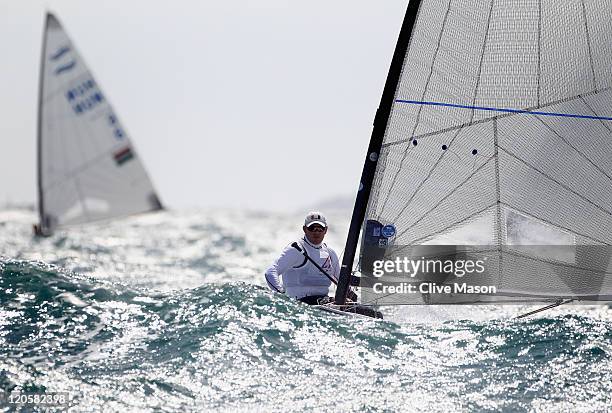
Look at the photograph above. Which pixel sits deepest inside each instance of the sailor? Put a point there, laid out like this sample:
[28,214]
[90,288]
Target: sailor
[301,279]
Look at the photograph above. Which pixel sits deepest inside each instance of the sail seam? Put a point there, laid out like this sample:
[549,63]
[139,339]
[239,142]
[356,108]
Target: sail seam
[604,124]
[482,54]
[539,49]
[446,196]
[588,42]
[553,223]
[418,116]
[435,165]
[498,213]
[497,183]
[574,148]
[554,180]
[453,225]
[504,110]
[515,112]
[429,174]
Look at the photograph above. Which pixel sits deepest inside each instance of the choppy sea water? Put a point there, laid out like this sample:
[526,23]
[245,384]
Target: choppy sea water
[168,312]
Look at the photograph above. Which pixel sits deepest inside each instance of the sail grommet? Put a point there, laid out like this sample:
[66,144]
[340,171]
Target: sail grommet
[444,147]
[373,156]
[415,142]
[474,151]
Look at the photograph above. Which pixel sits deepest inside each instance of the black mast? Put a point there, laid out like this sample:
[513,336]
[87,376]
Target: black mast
[378,132]
[41,212]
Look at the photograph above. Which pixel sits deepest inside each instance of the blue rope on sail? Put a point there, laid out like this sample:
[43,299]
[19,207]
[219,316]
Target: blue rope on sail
[504,110]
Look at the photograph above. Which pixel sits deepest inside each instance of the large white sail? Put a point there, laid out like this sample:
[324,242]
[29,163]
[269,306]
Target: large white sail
[88,167]
[496,123]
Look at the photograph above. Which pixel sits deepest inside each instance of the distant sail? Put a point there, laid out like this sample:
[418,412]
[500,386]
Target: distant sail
[496,124]
[88,169]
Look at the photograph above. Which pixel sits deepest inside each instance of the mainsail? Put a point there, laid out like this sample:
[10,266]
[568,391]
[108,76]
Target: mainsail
[495,126]
[88,169]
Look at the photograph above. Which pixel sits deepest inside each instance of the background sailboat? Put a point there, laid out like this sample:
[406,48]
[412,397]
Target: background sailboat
[88,169]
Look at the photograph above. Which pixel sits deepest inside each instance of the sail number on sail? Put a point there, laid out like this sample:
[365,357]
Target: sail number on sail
[84,97]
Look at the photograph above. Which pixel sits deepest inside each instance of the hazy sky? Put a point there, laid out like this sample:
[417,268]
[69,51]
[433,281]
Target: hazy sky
[259,103]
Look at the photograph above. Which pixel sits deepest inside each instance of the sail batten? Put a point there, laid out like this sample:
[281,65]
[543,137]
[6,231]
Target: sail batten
[88,169]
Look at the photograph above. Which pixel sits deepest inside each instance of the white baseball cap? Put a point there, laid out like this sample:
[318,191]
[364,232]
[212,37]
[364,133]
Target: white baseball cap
[315,217]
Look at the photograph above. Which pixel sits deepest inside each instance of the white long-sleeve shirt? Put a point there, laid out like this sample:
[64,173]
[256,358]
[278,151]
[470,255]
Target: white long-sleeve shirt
[300,278]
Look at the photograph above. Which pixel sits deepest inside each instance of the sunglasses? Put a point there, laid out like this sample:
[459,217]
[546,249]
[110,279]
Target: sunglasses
[316,228]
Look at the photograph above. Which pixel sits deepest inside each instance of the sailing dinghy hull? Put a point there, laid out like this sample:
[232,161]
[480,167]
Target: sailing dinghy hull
[351,310]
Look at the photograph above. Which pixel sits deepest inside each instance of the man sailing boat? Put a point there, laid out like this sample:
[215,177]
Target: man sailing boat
[301,278]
